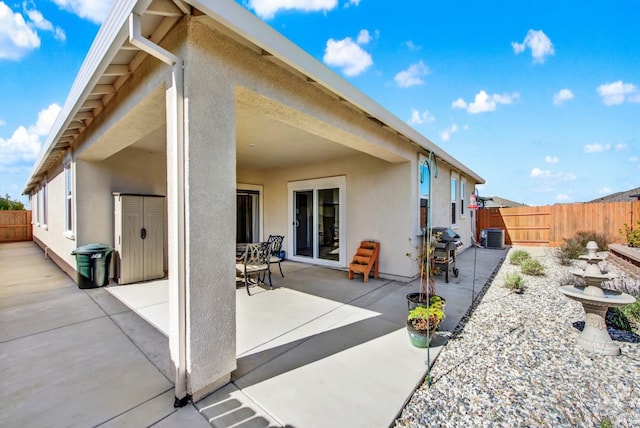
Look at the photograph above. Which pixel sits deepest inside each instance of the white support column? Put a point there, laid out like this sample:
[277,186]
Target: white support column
[210,214]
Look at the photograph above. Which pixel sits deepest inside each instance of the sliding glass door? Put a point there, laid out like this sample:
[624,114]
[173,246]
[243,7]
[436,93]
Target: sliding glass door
[316,208]
[303,223]
[248,214]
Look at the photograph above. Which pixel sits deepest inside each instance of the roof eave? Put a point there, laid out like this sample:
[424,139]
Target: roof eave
[111,36]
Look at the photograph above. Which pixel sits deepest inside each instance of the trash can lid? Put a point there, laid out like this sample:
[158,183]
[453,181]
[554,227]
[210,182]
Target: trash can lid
[92,248]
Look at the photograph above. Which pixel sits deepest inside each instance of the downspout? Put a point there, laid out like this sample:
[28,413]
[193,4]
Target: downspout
[175,208]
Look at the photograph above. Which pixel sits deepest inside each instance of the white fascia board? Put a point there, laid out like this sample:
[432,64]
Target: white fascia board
[110,38]
[250,27]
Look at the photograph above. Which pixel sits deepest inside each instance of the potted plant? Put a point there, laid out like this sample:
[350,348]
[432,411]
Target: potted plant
[423,321]
[426,263]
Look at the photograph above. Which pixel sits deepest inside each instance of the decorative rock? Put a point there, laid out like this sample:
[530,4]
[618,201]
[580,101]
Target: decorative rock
[515,363]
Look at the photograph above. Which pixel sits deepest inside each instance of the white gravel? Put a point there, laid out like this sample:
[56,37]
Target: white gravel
[516,363]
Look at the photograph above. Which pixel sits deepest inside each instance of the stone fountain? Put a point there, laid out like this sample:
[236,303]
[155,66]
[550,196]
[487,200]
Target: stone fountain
[595,301]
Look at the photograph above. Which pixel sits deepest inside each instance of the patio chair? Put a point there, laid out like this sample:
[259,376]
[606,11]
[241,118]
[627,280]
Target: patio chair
[255,264]
[276,247]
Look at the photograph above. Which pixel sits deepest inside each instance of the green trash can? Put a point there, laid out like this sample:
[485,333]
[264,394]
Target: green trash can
[92,263]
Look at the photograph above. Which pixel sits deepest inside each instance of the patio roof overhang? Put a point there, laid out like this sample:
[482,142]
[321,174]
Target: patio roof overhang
[112,60]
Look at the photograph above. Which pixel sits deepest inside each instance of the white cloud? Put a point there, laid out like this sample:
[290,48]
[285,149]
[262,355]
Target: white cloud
[484,102]
[604,191]
[620,146]
[2,122]
[266,9]
[548,175]
[562,96]
[412,46]
[94,11]
[39,22]
[634,159]
[563,197]
[618,92]
[363,37]
[17,38]
[459,103]
[447,133]
[538,42]
[347,55]
[352,3]
[24,144]
[551,159]
[596,148]
[412,75]
[418,118]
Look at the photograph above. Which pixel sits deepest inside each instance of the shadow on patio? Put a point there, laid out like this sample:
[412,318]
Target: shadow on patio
[322,350]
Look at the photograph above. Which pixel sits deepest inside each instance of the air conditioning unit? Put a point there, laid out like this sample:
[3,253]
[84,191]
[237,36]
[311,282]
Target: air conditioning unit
[493,238]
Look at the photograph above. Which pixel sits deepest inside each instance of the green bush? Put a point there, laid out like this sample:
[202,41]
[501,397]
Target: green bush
[631,235]
[632,314]
[617,319]
[518,256]
[513,281]
[572,248]
[532,267]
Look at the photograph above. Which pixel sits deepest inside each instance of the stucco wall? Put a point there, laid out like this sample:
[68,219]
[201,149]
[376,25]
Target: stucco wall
[378,204]
[52,237]
[129,171]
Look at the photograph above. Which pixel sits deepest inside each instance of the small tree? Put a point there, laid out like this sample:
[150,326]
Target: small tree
[7,204]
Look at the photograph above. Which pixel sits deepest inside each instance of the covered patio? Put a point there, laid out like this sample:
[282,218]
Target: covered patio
[319,349]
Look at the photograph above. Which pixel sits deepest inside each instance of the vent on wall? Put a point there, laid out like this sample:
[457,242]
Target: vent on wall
[494,238]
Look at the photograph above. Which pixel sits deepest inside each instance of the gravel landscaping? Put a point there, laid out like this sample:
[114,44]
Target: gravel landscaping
[514,362]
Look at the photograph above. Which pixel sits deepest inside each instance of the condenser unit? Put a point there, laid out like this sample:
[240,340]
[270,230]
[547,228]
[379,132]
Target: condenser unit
[492,238]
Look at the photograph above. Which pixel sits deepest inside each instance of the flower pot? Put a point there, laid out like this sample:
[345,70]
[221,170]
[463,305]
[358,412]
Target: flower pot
[419,299]
[419,338]
[416,299]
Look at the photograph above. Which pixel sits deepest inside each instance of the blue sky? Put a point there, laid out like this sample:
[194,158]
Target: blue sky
[542,99]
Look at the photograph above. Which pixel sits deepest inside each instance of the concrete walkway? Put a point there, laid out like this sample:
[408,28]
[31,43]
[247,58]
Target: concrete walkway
[77,358]
[80,358]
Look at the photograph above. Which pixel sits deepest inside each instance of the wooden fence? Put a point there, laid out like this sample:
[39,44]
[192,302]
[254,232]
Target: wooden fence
[15,226]
[550,225]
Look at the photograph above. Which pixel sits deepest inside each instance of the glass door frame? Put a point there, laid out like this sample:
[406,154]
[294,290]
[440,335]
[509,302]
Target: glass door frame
[314,185]
[259,189]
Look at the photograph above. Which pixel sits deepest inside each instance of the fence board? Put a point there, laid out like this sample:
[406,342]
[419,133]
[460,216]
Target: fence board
[15,226]
[550,225]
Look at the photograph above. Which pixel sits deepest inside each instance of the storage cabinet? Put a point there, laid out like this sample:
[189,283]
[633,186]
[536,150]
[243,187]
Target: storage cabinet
[139,237]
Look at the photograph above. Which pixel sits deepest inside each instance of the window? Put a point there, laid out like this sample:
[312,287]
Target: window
[44,204]
[36,209]
[68,191]
[463,196]
[454,188]
[424,178]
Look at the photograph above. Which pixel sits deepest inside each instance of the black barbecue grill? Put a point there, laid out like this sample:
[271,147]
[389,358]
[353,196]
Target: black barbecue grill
[444,254]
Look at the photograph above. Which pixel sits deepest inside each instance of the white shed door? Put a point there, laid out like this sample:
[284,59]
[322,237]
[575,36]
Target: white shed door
[154,238]
[132,257]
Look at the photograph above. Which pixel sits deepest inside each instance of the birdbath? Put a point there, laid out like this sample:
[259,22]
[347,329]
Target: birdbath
[595,301]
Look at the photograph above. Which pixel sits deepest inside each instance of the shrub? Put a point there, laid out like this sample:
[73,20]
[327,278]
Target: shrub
[631,235]
[513,281]
[572,248]
[532,267]
[617,319]
[632,314]
[518,256]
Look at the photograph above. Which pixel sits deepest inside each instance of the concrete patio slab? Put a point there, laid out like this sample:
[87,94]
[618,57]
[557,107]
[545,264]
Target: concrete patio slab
[318,350]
